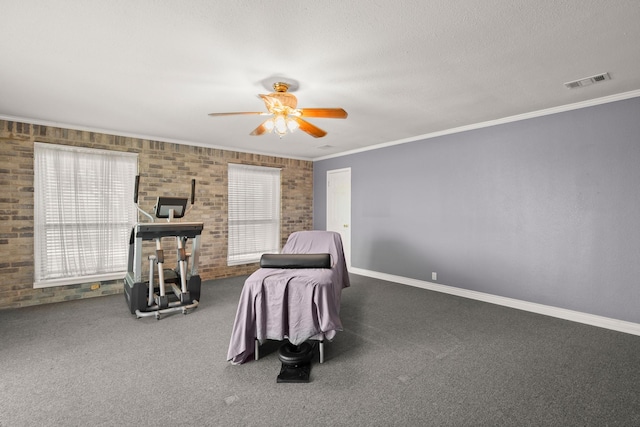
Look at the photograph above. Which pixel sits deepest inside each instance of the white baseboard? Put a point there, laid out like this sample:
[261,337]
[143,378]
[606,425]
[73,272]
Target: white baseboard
[561,313]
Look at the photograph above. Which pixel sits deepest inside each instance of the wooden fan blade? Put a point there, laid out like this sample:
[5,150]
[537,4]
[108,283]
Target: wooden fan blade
[270,102]
[233,114]
[307,127]
[327,113]
[260,129]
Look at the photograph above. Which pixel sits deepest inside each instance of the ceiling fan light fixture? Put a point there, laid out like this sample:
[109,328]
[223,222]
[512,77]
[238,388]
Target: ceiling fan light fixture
[292,125]
[280,125]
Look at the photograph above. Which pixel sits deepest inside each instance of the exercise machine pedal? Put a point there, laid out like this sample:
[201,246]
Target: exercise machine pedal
[162,301]
[185,297]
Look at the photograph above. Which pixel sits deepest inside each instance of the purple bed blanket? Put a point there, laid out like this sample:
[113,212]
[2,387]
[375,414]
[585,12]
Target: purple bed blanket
[293,304]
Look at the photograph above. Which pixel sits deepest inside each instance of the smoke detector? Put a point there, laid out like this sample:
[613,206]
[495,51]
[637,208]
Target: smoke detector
[587,81]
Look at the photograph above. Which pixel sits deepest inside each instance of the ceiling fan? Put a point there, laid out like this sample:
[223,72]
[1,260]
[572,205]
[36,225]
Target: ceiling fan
[286,117]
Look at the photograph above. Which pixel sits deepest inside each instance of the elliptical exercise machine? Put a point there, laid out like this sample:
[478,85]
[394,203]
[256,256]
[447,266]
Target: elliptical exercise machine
[145,298]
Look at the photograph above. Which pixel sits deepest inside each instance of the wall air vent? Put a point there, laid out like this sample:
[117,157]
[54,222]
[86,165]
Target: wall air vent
[588,81]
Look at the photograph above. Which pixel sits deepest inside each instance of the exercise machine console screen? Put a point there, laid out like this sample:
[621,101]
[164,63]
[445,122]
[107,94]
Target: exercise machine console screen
[165,205]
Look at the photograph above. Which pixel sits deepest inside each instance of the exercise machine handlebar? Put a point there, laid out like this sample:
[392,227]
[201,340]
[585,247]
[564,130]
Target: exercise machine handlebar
[135,198]
[135,192]
[165,199]
[193,195]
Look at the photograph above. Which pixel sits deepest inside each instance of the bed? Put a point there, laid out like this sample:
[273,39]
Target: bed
[297,304]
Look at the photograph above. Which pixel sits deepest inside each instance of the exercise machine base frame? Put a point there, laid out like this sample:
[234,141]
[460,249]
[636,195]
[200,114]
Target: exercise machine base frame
[136,295]
[157,312]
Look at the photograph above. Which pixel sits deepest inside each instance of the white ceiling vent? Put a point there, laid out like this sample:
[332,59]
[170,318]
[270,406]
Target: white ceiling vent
[588,81]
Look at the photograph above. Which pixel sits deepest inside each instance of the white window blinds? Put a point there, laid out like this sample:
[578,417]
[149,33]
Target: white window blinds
[254,213]
[83,213]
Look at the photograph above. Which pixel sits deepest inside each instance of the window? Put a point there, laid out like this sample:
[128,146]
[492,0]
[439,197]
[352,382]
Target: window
[254,213]
[83,214]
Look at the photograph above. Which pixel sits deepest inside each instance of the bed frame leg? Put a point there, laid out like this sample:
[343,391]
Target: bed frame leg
[321,351]
[256,351]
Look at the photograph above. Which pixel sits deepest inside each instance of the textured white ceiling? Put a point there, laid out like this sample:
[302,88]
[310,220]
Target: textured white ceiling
[401,68]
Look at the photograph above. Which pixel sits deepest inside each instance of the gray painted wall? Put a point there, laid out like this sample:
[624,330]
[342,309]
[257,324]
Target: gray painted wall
[544,210]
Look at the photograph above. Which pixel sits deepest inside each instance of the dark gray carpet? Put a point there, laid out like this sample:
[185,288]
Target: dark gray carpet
[407,357]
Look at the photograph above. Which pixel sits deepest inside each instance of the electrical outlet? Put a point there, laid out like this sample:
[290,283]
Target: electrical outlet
[434,276]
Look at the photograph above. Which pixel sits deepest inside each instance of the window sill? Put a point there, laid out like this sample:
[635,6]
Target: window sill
[65,281]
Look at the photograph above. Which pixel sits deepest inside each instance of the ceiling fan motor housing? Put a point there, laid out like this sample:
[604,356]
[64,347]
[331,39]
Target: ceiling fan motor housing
[286,99]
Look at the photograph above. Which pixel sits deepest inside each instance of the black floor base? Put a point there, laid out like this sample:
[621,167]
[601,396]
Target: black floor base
[295,373]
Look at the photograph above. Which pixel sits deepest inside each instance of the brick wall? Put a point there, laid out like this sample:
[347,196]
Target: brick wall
[165,169]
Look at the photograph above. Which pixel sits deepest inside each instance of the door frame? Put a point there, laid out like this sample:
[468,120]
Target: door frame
[347,249]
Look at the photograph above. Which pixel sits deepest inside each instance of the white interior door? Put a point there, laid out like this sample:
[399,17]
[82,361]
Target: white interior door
[339,207]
